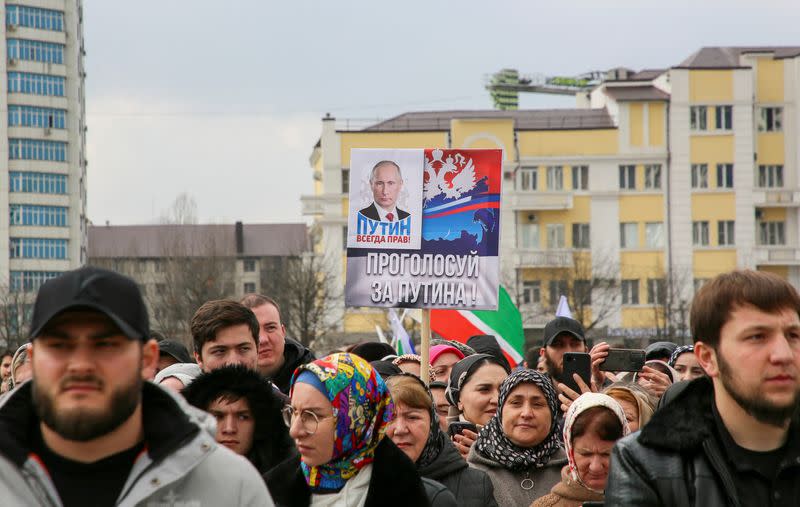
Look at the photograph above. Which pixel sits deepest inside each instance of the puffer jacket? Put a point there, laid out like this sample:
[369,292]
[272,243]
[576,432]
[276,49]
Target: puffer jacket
[677,459]
[183,464]
[471,487]
[508,491]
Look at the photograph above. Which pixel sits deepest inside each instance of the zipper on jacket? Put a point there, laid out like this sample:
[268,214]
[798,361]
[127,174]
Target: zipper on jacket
[722,471]
[689,474]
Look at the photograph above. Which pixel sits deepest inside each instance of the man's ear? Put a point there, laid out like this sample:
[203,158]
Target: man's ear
[149,359]
[541,351]
[707,357]
[198,359]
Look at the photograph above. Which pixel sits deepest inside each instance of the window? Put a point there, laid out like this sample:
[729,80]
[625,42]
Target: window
[583,292]
[628,235]
[37,183]
[37,248]
[630,292]
[771,233]
[580,235]
[770,176]
[770,119]
[30,281]
[34,17]
[555,236]
[32,116]
[249,265]
[627,177]
[724,175]
[724,117]
[249,287]
[158,267]
[700,233]
[557,288]
[699,175]
[652,177]
[35,215]
[529,236]
[345,181]
[36,84]
[555,177]
[697,118]
[34,50]
[531,292]
[580,177]
[37,149]
[656,291]
[654,234]
[725,233]
[527,178]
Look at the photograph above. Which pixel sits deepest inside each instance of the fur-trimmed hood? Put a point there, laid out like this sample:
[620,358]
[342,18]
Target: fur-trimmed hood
[271,441]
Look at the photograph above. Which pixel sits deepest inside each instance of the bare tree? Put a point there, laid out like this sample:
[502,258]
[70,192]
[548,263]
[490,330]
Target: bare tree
[672,300]
[182,211]
[15,316]
[304,286]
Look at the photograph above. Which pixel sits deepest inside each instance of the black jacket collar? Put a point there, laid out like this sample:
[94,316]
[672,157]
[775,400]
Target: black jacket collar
[685,422]
[166,425]
[446,463]
[294,354]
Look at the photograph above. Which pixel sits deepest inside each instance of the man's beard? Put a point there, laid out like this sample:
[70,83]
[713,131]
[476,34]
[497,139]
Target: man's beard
[84,424]
[553,369]
[753,401]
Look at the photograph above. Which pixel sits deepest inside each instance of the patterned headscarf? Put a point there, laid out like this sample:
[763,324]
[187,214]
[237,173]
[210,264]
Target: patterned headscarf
[680,350]
[436,439]
[583,403]
[363,408]
[413,358]
[495,445]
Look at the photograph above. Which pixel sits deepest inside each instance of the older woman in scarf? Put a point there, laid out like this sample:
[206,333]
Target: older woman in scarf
[520,448]
[339,411]
[635,401]
[415,430]
[593,423]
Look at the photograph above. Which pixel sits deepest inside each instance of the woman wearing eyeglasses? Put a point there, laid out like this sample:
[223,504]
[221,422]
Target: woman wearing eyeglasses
[338,415]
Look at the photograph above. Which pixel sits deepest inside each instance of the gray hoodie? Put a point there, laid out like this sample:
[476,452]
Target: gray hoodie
[183,466]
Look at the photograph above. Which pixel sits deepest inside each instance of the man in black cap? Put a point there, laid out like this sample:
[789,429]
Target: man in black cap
[171,352]
[660,351]
[87,422]
[561,335]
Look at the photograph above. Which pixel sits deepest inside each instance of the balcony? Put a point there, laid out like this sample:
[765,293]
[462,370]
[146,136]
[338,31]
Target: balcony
[776,198]
[540,200]
[777,255]
[312,204]
[544,258]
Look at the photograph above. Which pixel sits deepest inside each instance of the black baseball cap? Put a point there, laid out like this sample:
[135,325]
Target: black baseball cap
[177,351]
[92,288]
[561,325]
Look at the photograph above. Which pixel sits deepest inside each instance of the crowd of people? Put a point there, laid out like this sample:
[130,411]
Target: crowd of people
[99,410]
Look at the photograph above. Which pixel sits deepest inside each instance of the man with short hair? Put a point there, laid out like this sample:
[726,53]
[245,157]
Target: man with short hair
[386,182]
[733,437]
[561,335]
[225,332]
[88,429]
[171,352]
[278,355]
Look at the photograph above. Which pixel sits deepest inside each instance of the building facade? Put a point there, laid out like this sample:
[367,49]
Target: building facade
[44,181]
[657,181]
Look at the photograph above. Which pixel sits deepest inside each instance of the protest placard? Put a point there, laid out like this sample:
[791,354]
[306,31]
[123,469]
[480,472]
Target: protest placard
[456,264]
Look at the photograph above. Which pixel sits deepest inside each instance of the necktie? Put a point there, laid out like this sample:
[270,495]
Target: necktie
[390,217]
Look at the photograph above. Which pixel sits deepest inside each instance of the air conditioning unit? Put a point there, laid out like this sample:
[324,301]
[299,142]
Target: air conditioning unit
[12,62]
[11,27]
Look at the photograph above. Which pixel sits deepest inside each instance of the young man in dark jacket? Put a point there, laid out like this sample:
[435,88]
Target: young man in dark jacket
[732,438]
[278,355]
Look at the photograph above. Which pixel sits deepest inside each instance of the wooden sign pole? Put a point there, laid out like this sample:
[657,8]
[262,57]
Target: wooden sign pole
[425,346]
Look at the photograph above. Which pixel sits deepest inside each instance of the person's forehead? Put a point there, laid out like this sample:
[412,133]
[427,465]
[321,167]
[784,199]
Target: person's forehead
[266,314]
[447,358]
[745,316]
[225,404]
[527,390]
[387,172]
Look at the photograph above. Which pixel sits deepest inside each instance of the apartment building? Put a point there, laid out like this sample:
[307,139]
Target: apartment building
[655,182]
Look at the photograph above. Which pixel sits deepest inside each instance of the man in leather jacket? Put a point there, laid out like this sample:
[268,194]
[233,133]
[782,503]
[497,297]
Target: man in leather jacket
[733,437]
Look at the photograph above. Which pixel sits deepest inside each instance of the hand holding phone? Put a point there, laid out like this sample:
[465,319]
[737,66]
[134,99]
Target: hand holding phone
[580,363]
[456,427]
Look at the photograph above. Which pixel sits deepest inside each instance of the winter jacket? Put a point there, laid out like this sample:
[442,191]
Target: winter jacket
[294,354]
[507,484]
[567,493]
[182,465]
[394,481]
[471,487]
[677,459]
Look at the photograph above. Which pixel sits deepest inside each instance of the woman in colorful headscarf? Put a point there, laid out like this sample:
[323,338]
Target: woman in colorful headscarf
[685,363]
[415,430]
[338,414]
[520,448]
[592,425]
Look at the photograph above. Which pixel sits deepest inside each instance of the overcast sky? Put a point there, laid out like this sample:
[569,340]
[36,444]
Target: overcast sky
[223,99]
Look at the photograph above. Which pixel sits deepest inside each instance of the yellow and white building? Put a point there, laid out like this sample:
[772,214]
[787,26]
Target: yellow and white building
[659,179]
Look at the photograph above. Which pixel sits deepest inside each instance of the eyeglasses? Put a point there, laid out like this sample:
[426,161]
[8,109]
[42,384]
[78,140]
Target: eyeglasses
[309,421]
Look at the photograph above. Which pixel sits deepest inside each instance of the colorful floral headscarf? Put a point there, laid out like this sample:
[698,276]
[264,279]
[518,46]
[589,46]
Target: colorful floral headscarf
[493,443]
[583,403]
[363,408]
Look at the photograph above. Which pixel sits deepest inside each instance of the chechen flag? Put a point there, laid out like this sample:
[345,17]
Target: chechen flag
[505,324]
